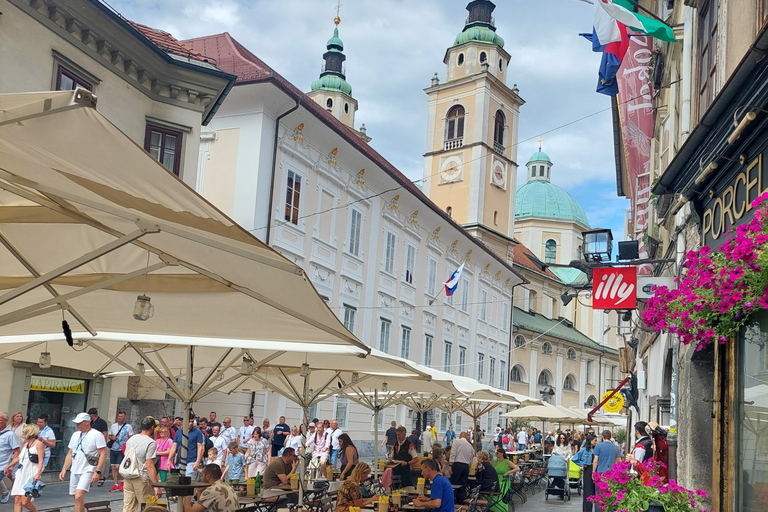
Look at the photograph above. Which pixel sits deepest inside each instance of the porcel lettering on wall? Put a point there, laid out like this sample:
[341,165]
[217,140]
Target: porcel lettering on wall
[732,204]
[40,383]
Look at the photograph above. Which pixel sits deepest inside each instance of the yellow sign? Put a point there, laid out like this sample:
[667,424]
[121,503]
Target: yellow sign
[57,384]
[615,404]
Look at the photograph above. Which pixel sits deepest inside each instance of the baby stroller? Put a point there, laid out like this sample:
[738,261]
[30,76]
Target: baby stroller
[557,478]
[574,476]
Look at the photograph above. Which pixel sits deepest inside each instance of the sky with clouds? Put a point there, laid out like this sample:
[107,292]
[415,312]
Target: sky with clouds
[394,47]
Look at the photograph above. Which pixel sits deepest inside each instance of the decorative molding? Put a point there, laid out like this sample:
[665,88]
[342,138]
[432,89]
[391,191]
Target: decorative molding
[406,310]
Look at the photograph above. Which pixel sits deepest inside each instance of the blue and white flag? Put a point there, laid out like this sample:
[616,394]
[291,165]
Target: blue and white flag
[453,283]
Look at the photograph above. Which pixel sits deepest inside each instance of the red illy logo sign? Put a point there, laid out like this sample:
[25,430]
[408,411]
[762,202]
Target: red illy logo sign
[614,288]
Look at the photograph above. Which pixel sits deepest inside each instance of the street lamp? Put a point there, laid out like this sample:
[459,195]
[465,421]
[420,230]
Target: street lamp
[597,245]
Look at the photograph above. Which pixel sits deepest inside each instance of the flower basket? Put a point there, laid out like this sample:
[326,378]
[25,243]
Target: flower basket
[718,292]
[619,490]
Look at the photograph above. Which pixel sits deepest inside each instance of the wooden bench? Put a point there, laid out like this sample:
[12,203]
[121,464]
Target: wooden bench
[49,510]
[98,506]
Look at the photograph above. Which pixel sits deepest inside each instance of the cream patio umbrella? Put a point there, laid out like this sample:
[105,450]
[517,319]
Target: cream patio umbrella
[95,232]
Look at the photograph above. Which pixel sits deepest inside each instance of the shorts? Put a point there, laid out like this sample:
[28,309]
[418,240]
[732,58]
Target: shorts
[162,474]
[116,457]
[334,456]
[80,482]
[321,458]
[135,492]
[275,449]
[521,446]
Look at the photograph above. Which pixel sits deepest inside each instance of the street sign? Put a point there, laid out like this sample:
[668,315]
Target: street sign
[614,288]
[614,404]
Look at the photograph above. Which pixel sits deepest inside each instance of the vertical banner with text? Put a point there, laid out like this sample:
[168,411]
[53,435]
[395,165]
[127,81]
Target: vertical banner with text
[637,119]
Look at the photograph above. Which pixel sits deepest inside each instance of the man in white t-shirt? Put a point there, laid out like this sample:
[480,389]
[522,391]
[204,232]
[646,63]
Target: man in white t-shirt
[334,432]
[137,489]
[427,441]
[228,432]
[87,451]
[219,443]
[245,432]
[522,440]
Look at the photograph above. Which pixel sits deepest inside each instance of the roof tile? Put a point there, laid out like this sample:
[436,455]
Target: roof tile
[167,42]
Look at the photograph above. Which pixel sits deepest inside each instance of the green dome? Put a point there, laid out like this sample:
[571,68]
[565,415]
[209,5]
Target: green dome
[540,198]
[335,41]
[332,83]
[479,34]
[539,156]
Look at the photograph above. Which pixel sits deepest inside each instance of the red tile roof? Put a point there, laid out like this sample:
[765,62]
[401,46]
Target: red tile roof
[232,57]
[167,42]
[525,258]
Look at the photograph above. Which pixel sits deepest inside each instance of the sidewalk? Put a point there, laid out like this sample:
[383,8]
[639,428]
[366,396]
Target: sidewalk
[56,495]
[538,503]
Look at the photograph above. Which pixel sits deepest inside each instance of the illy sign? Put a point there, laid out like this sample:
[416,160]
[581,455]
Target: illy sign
[614,288]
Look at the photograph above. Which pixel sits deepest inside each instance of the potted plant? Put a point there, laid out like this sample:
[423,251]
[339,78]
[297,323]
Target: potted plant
[619,490]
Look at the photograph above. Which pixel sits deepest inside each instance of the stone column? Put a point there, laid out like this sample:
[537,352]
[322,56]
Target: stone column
[533,375]
[559,378]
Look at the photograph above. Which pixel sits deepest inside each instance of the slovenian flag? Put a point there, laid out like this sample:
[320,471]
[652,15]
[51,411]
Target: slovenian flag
[453,283]
[622,11]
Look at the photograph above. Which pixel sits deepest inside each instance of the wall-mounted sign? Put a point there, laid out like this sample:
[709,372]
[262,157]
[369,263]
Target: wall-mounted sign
[614,404]
[614,288]
[730,201]
[645,285]
[57,384]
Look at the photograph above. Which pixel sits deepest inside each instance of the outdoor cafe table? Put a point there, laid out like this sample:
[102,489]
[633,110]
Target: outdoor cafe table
[177,489]
[265,495]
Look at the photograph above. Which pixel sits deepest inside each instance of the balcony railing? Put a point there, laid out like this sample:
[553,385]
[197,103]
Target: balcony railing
[453,144]
[499,148]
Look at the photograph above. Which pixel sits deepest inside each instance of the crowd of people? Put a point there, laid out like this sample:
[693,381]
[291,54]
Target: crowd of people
[222,456]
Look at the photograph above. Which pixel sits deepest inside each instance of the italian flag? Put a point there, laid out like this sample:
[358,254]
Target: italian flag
[621,11]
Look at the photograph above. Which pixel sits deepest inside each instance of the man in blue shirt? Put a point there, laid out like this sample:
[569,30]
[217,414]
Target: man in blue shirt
[449,436]
[9,456]
[605,454]
[279,435]
[195,443]
[441,496]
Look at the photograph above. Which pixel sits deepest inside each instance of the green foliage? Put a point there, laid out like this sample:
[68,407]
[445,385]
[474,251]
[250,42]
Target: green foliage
[516,425]
[620,435]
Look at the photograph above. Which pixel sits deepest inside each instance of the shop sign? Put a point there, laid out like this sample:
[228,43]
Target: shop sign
[614,404]
[645,285]
[730,202]
[614,288]
[57,384]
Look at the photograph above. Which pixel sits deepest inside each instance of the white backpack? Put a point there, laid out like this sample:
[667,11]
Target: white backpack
[130,467]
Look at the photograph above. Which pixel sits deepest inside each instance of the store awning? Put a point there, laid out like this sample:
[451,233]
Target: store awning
[89,221]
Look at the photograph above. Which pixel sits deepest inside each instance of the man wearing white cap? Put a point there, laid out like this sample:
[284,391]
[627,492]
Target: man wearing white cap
[87,451]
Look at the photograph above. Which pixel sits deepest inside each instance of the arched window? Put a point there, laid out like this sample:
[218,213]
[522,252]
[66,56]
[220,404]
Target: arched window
[546,399]
[449,211]
[455,120]
[329,103]
[483,57]
[498,131]
[496,218]
[545,379]
[519,342]
[517,374]
[546,348]
[570,383]
[571,354]
[591,401]
[501,64]
[550,251]
[461,59]
[346,108]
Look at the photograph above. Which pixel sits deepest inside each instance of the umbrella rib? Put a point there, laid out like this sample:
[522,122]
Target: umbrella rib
[10,318]
[288,382]
[32,270]
[104,366]
[76,263]
[135,371]
[202,390]
[166,368]
[266,360]
[207,378]
[222,384]
[324,386]
[21,349]
[168,381]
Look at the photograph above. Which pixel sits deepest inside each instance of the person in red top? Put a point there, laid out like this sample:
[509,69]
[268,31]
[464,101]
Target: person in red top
[651,445]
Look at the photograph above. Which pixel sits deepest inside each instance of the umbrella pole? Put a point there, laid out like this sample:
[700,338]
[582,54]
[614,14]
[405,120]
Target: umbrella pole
[305,421]
[376,432]
[186,405]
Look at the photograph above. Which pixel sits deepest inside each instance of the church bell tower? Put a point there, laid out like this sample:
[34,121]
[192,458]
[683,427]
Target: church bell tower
[470,163]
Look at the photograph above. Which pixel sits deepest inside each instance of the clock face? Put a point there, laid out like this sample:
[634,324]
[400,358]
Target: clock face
[450,170]
[498,176]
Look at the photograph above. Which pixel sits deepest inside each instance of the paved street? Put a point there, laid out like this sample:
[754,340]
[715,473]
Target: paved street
[56,496]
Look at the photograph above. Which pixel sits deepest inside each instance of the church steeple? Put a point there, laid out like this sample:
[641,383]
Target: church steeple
[332,90]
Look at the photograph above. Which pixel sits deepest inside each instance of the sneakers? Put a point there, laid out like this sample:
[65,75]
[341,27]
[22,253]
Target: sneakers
[114,488]
[121,485]
[5,497]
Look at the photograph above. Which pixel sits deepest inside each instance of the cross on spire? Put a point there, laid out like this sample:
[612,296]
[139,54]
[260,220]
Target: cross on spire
[339,5]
